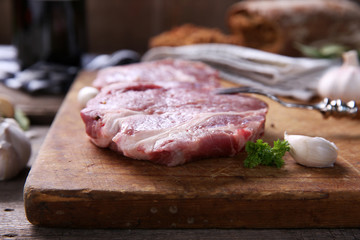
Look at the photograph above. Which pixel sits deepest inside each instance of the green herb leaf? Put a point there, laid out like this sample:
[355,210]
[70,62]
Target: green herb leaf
[261,153]
[329,50]
[332,50]
[22,119]
[308,51]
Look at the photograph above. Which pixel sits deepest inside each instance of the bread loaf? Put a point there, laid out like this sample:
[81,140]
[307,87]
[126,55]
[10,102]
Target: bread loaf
[278,25]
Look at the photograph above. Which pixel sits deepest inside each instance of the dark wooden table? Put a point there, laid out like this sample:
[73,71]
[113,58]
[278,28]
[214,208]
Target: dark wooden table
[14,224]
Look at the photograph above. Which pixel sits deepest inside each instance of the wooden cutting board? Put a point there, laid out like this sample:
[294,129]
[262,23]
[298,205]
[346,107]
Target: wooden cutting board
[75,184]
[40,109]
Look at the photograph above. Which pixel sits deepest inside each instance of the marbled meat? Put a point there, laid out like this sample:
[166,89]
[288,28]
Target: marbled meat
[172,125]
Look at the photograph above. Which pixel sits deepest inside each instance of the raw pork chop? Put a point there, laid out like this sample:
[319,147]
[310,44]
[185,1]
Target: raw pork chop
[172,126]
[167,70]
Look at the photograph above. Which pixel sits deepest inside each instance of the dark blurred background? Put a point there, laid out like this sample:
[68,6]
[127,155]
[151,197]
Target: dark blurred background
[119,24]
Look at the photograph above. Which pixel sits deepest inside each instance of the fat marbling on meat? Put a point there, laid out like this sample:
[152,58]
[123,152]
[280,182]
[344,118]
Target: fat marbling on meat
[172,126]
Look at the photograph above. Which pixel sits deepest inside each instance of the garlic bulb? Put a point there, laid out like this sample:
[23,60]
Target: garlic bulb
[85,94]
[312,151]
[342,82]
[15,148]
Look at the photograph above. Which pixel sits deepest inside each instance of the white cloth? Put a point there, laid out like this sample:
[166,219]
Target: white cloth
[273,73]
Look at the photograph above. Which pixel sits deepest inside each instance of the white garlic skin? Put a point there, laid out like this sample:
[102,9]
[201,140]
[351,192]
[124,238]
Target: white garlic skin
[342,82]
[15,149]
[312,151]
[85,94]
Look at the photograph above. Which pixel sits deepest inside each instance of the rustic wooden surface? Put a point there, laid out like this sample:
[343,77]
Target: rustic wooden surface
[14,225]
[90,187]
[41,109]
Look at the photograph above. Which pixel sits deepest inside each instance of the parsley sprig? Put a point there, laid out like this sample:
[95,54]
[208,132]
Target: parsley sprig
[261,153]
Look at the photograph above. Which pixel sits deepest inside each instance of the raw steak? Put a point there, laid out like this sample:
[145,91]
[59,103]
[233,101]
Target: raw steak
[167,70]
[172,126]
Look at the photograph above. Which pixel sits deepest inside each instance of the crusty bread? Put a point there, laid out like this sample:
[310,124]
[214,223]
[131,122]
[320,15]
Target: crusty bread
[277,25]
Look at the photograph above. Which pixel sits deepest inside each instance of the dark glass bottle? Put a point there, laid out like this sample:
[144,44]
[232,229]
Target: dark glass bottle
[49,30]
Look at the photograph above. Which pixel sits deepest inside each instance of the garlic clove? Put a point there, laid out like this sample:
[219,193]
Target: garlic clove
[15,148]
[312,151]
[20,141]
[85,94]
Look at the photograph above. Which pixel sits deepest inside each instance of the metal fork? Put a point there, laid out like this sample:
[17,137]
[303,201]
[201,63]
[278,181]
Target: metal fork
[327,107]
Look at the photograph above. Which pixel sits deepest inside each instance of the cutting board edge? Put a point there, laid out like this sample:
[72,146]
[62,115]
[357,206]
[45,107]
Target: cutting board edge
[189,213]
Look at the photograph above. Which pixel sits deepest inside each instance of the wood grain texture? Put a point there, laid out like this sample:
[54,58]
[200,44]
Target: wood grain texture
[41,109]
[14,225]
[75,184]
